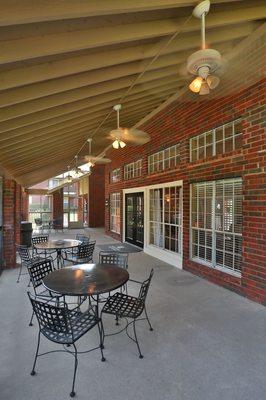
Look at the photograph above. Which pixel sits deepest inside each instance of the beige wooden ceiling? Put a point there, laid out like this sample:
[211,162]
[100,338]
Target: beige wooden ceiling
[65,63]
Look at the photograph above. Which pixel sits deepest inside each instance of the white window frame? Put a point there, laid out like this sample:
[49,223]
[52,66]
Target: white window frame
[169,257]
[115,204]
[133,170]
[213,141]
[163,157]
[213,230]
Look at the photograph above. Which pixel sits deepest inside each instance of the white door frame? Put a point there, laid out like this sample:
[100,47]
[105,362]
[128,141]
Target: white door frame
[170,257]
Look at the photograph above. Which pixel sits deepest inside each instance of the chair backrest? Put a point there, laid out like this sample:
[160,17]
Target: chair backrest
[38,270]
[144,288]
[38,221]
[39,239]
[85,250]
[83,238]
[24,253]
[50,316]
[114,258]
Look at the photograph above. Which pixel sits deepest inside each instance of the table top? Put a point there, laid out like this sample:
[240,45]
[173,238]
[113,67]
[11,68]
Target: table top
[119,248]
[86,279]
[57,244]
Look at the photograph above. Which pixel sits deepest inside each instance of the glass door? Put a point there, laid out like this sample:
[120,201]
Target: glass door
[135,218]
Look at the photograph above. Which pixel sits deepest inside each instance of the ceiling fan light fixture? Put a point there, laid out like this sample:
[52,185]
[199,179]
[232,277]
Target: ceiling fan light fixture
[195,85]
[213,81]
[122,144]
[116,144]
[204,89]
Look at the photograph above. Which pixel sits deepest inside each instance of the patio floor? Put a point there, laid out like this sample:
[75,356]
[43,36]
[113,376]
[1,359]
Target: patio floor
[208,343]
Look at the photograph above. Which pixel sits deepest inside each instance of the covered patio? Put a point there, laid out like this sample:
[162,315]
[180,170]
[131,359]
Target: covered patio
[207,343]
[132,186]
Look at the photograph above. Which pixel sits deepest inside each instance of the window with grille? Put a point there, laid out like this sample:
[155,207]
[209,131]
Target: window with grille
[115,175]
[115,212]
[133,170]
[220,140]
[165,218]
[216,223]
[164,159]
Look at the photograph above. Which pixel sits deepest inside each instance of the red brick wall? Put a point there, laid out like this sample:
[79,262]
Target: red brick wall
[13,214]
[58,207]
[96,197]
[182,120]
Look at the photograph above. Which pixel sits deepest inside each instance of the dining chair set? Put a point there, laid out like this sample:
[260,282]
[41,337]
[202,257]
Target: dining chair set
[63,321]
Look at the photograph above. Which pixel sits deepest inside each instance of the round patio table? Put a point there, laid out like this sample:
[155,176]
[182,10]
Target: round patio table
[86,280]
[58,245]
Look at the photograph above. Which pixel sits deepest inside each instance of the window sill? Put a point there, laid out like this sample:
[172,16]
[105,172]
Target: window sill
[217,268]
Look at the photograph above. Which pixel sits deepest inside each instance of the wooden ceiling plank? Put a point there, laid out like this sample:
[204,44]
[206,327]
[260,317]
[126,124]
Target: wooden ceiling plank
[31,106]
[58,137]
[14,140]
[17,77]
[62,110]
[61,43]
[16,12]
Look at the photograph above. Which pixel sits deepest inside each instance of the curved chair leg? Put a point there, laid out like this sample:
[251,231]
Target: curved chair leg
[136,339]
[32,315]
[36,354]
[72,393]
[147,318]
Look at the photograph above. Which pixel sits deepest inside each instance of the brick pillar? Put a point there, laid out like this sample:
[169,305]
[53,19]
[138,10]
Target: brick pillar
[11,221]
[96,196]
[58,207]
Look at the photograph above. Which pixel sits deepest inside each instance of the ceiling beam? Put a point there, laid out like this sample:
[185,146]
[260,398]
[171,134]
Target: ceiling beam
[30,74]
[70,41]
[15,12]
[31,106]
[140,97]
[90,116]
[113,96]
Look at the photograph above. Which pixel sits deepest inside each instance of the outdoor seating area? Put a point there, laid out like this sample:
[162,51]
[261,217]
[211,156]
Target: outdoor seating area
[132,199]
[204,344]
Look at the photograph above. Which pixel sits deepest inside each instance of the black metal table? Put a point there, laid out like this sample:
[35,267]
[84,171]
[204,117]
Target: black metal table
[86,280]
[58,246]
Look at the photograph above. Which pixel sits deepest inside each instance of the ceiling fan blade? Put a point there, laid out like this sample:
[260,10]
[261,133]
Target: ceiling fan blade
[135,136]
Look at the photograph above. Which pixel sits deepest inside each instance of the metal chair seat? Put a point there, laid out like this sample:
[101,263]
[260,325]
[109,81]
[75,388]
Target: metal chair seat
[123,305]
[76,260]
[81,322]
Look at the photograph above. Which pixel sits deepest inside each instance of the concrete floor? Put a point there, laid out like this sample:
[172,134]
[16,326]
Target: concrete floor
[207,344]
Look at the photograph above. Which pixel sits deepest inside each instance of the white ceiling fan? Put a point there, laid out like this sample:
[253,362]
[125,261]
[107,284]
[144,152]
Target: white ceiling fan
[121,136]
[91,160]
[206,64]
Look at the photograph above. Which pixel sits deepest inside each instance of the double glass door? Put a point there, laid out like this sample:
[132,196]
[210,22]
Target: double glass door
[134,209]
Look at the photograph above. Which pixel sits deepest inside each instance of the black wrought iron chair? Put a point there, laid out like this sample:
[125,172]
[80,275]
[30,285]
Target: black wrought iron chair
[120,259]
[39,239]
[26,258]
[63,326]
[37,272]
[83,255]
[124,306]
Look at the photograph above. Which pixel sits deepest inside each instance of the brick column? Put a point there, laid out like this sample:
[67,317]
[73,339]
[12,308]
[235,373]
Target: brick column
[96,196]
[58,207]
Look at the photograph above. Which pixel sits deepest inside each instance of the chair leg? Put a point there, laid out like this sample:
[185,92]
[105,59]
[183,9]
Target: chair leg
[72,393]
[20,273]
[116,320]
[101,334]
[36,354]
[147,318]
[136,339]
[32,315]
